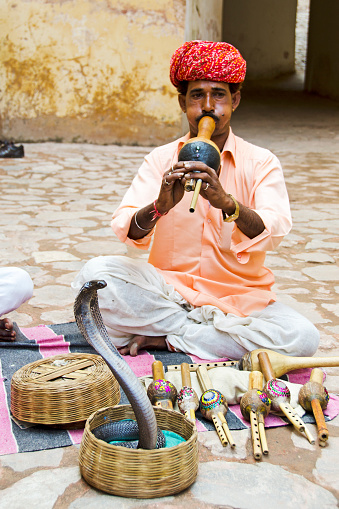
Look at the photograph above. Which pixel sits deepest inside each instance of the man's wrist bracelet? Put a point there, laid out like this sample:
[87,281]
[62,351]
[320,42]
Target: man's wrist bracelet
[156,212]
[138,225]
[235,215]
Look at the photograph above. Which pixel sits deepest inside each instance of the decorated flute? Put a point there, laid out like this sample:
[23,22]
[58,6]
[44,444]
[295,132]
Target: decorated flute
[280,396]
[188,401]
[255,405]
[161,392]
[213,405]
[313,397]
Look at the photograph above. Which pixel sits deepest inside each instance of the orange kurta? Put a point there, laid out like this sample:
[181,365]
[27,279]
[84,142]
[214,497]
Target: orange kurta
[207,260]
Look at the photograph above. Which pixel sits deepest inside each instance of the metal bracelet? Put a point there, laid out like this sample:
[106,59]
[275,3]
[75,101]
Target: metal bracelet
[140,228]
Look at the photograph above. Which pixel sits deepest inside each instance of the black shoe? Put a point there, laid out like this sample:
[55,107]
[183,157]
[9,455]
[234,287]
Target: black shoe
[9,150]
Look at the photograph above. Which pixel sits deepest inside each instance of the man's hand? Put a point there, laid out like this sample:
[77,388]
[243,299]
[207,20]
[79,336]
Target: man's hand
[211,188]
[172,191]
[249,222]
[170,194]
[6,330]
[173,185]
[172,188]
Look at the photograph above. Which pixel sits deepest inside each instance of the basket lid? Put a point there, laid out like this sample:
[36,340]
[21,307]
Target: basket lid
[63,388]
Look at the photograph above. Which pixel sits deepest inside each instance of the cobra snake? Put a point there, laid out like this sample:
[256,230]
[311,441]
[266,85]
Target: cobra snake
[91,326]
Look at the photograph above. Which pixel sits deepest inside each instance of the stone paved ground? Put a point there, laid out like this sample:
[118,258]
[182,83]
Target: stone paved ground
[56,205]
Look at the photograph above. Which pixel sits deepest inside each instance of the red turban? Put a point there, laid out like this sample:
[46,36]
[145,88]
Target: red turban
[204,60]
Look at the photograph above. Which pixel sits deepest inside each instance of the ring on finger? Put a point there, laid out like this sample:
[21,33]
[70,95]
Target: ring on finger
[207,186]
[167,183]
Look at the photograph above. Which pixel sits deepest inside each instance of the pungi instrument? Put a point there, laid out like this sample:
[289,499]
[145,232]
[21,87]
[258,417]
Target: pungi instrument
[161,392]
[313,397]
[255,406]
[188,401]
[282,364]
[200,148]
[213,405]
[280,396]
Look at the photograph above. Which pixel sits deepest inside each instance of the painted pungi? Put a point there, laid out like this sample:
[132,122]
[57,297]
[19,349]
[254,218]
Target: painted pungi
[280,396]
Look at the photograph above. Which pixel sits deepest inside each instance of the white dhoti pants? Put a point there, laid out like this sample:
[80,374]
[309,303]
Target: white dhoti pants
[138,301]
[16,287]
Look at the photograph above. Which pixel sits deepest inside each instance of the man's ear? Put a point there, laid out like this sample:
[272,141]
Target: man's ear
[236,99]
[182,102]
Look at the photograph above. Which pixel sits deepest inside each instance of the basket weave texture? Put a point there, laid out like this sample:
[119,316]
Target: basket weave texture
[62,389]
[139,473]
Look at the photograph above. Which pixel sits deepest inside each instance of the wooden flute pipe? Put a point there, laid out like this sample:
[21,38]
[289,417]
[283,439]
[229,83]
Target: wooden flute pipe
[282,364]
[255,406]
[313,397]
[208,365]
[188,401]
[161,392]
[280,396]
[213,405]
[195,195]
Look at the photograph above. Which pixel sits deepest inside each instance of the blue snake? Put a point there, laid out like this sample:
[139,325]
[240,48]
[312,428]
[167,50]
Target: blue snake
[91,326]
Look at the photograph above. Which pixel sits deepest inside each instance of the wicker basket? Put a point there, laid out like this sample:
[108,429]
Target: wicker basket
[63,389]
[139,473]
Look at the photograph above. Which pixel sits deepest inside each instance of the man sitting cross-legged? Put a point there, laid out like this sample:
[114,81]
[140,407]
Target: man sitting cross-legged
[205,289]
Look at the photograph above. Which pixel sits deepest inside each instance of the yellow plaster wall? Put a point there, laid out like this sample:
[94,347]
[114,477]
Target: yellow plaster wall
[89,70]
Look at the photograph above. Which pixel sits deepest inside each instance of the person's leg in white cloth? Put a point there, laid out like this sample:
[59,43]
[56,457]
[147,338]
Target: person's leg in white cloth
[138,302]
[16,287]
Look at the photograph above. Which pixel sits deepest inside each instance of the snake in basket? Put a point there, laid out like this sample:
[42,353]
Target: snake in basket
[91,326]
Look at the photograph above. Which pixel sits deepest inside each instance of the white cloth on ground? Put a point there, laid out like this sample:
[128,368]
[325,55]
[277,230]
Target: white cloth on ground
[16,287]
[137,300]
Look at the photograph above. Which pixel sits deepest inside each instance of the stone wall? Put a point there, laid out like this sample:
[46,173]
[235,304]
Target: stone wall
[89,70]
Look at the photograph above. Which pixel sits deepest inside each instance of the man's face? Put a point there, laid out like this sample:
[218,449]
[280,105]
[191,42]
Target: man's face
[211,98]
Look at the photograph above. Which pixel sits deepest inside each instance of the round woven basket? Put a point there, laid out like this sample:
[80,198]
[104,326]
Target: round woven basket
[139,473]
[63,389]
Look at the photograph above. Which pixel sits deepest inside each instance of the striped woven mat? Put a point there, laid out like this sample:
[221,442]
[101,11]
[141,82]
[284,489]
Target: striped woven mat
[44,341]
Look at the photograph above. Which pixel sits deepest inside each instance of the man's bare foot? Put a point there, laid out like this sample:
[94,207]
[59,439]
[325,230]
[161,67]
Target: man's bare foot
[6,330]
[143,343]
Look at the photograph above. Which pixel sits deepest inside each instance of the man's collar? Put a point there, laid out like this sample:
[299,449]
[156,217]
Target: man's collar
[228,147]
[183,140]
